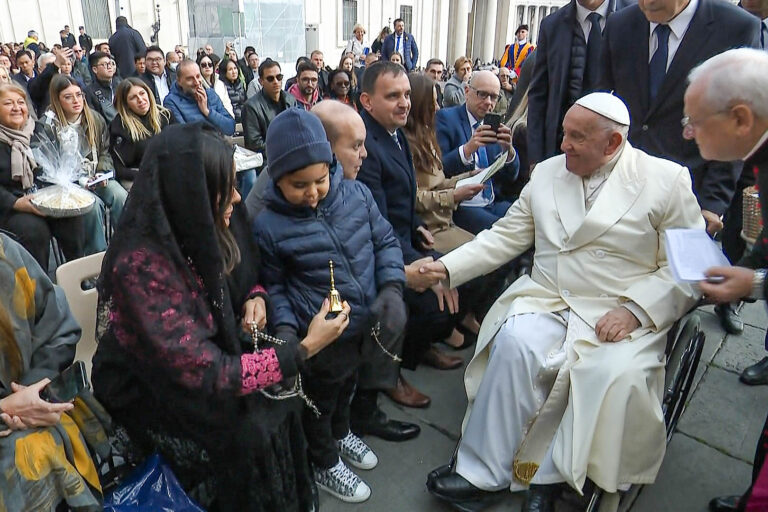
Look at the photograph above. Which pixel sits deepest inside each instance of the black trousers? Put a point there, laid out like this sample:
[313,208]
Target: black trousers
[332,397]
[426,325]
[733,222]
[34,234]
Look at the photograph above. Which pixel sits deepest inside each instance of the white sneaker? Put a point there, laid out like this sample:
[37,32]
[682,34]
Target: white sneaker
[357,452]
[341,482]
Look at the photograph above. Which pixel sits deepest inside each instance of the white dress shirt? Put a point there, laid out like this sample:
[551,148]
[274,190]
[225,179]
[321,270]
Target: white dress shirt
[162,86]
[586,25]
[678,26]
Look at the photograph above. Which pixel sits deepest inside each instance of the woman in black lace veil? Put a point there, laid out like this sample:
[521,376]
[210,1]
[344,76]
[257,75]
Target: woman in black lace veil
[174,365]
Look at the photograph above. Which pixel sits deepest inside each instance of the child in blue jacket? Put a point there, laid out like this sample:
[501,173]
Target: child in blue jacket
[312,216]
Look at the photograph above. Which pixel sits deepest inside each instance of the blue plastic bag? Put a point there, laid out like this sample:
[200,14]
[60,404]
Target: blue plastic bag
[152,487]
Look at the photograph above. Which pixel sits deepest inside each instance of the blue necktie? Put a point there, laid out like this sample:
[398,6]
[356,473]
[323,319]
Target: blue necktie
[397,46]
[592,71]
[481,162]
[657,69]
[397,141]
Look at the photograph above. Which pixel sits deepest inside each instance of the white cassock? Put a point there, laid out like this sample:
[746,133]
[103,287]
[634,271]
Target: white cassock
[549,402]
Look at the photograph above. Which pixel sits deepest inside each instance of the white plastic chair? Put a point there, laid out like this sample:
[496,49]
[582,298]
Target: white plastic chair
[70,277]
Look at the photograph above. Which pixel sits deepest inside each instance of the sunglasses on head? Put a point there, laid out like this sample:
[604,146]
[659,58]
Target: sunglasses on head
[275,78]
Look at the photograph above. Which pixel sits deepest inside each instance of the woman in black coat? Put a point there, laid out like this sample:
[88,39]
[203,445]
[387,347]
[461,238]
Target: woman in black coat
[138,119]
[229,74]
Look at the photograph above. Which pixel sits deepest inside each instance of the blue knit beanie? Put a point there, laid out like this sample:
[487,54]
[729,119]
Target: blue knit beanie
[295,139]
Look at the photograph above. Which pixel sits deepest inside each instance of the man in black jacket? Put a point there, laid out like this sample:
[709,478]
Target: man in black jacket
[100,94]
[158,76]
[86,43]
[125,43]
[67,38]
[673,36]
[567,65]
[729,122]
[264,106]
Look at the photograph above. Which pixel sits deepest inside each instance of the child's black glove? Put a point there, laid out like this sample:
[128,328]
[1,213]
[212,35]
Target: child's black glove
[389,310]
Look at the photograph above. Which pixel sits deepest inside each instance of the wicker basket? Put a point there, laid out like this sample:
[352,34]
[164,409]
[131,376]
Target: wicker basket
[753,222]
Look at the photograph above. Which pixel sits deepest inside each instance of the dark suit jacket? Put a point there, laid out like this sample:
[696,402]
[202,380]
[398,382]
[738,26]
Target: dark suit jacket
[453,130]
[408,49]
[549,86]
[170,78]
[388,173]
[20,79]
[655,127]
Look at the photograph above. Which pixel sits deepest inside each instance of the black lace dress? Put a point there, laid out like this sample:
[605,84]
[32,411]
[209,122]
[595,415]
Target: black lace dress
[172,366]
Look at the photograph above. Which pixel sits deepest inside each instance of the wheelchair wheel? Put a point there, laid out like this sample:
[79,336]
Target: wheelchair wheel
[682,361]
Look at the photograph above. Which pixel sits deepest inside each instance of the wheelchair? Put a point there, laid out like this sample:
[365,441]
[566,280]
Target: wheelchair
[685,342]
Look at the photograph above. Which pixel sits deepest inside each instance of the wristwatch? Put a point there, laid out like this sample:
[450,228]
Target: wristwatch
[758,284]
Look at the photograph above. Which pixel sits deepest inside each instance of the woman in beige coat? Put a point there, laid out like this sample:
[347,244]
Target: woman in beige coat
[437,196]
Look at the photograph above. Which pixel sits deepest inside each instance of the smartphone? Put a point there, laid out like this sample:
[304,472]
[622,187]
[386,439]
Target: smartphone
[66,385]
[492,120]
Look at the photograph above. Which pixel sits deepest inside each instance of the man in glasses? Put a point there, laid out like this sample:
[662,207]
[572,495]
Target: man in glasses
[468,143]
[264,106]
[158,76]
[190,101]
[101,92]
[80,69]
[305,89]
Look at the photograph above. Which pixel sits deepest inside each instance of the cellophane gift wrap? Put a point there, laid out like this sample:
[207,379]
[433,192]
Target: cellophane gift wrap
[62,164]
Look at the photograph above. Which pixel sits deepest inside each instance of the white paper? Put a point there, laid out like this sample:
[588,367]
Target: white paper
[691,252]
[99,179]
[485,174]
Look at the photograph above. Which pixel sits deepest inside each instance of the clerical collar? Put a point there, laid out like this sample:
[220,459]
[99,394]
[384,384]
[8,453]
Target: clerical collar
[679,24]
[759,144]
[582,12]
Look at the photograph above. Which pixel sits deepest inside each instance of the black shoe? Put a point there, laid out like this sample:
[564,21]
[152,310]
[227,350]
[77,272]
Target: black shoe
[457,491]
[729,318]
[724,504]
[541,498]
[377,424]
[756,374]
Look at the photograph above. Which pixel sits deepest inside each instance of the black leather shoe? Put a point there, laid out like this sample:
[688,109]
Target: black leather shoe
[380,426]
[541,498]
[724,504]
[454,487]
[756,374]
[729,318]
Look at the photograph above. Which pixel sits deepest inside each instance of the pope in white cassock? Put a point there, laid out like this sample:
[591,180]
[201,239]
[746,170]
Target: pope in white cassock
[568,373]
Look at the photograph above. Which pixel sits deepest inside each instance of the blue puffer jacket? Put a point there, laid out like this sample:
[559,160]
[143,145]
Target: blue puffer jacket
[185,109]
[296,243]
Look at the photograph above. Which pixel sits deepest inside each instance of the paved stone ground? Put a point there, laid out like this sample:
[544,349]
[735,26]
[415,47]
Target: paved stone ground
[710,455]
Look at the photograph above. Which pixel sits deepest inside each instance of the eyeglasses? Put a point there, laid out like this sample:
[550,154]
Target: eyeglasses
[206,64]
[310,80]
[689,125]
[155,59]
[70,97]
[108,64]
[274,78]
[483,95]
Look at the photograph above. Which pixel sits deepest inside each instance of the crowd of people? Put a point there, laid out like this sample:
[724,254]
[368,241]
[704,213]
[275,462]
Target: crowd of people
[249,319]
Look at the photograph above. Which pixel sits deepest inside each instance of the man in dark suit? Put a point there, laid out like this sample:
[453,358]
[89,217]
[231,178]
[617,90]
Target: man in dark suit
[728,122]
[388,173]
[467,144]
[403,43]
[158,76]
[86,43]
[26,64]
[567,65]
[673,36]
[434,70]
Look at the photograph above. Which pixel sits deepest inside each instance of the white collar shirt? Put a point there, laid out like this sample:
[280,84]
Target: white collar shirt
[678,27]
[583,12]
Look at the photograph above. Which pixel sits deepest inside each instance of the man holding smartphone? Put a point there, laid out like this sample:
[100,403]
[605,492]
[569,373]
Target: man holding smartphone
[472,137]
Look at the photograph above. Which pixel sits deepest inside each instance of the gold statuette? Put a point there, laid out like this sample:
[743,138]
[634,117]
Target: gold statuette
[333,296]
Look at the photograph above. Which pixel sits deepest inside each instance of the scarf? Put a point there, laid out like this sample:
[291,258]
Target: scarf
[23,164]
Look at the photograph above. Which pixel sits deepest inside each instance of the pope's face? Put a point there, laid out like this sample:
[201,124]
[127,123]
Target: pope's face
[585,142]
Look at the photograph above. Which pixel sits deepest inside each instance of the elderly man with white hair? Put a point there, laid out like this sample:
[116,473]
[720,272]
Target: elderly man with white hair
[567,377]
[729,121]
